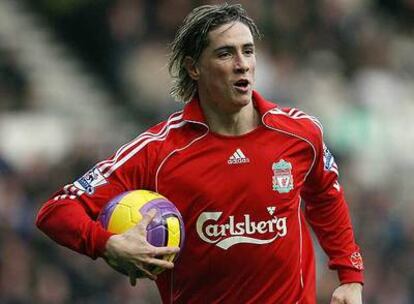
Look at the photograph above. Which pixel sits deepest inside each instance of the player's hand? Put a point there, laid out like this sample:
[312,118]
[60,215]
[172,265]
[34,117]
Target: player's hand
[350,293]
[132,246]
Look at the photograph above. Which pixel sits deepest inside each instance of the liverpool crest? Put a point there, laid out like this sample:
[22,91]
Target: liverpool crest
[282,176]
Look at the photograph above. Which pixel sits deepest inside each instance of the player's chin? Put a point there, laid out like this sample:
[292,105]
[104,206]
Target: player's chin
[242,99]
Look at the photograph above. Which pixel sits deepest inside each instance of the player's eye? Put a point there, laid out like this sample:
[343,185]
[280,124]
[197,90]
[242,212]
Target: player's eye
[224,54]
[249,51]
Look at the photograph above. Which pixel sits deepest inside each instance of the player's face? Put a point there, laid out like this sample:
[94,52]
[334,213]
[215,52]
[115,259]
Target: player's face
[227,68]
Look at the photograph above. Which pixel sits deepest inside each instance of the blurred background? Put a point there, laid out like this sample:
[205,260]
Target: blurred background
[80,77]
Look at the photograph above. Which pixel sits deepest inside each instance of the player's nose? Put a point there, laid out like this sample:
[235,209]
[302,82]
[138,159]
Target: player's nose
[241,64]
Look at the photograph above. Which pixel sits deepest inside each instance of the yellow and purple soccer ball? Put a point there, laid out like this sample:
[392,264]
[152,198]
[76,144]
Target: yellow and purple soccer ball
[127,209]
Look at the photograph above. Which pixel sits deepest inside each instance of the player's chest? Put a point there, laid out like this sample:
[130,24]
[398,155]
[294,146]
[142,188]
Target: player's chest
[263,170]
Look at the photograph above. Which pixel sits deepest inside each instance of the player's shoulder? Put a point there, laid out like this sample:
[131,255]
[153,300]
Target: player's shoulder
[167,131]
[174,121]
[157,135]
[295,121]
[152,143]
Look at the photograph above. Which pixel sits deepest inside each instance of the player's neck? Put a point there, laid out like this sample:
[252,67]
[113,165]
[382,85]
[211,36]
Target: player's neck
[232,124]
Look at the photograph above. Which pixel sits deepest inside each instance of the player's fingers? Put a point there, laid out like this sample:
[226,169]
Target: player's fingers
[146,219]
[165,250]
[132,276]
[159,262]
[147,273]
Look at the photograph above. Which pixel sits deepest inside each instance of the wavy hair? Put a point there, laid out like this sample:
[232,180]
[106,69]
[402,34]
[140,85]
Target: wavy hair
[192,38]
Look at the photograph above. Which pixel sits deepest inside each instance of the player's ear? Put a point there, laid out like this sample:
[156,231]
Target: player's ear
[191,67]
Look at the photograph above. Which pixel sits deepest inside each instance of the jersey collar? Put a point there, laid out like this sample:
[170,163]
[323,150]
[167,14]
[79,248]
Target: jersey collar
[194,113]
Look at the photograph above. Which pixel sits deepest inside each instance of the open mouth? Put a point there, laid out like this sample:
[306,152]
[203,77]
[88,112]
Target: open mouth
[242,84]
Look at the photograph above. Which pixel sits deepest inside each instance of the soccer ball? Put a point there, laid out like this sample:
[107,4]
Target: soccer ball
[127,209]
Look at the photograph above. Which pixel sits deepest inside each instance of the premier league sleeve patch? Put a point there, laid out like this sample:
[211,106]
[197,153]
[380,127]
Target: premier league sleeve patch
[90,180]
[329,161]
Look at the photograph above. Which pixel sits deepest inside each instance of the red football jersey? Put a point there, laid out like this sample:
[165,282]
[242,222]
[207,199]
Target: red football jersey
[247,238]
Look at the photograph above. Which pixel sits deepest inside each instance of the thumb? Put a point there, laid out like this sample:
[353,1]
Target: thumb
[146,219]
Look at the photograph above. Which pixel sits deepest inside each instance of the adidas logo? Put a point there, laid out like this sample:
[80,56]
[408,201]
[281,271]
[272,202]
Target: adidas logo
[238,158]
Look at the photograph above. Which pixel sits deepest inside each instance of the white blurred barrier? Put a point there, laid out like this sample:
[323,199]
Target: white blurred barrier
[60,80]
[67,100]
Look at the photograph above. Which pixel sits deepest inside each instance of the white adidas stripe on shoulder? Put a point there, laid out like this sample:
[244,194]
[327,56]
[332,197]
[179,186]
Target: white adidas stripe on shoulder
[131,148]
[293,111]
[71,190]
[146,141]
[278,112]
[124,153]
[64,196]
[109,162]
[297,114]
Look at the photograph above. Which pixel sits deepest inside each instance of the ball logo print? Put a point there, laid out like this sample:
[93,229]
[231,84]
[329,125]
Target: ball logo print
[127,209]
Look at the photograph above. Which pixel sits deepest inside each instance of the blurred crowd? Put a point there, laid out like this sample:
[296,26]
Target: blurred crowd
[348,62]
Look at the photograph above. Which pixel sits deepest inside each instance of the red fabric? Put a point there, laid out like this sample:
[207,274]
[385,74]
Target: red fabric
[246,241]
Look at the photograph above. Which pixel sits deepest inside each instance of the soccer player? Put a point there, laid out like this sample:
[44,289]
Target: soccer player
[238,168]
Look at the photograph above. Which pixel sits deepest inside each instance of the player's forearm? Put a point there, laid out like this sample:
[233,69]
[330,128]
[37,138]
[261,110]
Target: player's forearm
[67,223]
[331,222]
[332,225]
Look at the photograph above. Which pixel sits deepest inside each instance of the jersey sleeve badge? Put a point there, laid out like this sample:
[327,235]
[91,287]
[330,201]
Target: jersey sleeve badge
[90,180]
[329,160]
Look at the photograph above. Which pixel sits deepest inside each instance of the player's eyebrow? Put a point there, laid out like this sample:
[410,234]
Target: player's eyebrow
[231,47]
